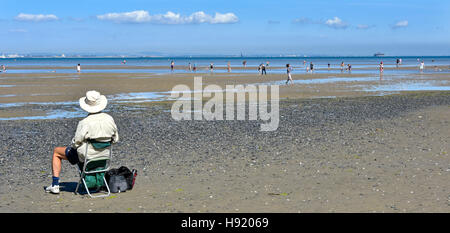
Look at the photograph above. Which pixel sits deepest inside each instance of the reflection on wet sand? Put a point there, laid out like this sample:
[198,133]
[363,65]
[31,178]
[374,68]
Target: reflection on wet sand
[55,95]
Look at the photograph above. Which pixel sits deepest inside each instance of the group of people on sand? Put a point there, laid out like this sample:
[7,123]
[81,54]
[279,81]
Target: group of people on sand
[349,67]
[343,67]
[422,65]
[262,68]
[310,68]
[398,62]
[192,68]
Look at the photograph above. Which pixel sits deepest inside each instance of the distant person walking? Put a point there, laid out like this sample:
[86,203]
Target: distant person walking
[211,67]
[244,63]
[421,66]
[397,62]
[3,68]
[328,66]
[229,67]
[288,70]
[349,68]
[263,69]
[190,67]
[78,68]
[381,67]
[311,67]
[172,65]
[342,66]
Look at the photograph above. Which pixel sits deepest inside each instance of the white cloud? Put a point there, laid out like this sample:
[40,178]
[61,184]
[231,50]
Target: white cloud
[35,18]
[336,23]
[401,24]
[127,17]
[225,18]
[142,16]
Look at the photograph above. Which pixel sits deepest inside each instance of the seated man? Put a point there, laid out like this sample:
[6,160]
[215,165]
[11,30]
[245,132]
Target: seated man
[97,125]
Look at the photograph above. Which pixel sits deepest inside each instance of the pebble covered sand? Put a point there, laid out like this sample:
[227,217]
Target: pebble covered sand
[363,154]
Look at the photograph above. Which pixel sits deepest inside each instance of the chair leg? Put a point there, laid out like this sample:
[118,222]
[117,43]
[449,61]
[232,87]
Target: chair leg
[107,187]
[78,185]
[87,189]
[95,196]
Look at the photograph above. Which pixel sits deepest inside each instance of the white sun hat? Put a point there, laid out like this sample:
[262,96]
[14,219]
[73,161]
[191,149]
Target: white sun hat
[93,102]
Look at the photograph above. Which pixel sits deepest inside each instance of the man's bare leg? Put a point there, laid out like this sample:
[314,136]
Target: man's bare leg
[59,153]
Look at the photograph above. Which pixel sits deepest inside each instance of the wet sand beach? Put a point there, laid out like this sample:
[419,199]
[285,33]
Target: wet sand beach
[346,142]
[362,154]
[43,89]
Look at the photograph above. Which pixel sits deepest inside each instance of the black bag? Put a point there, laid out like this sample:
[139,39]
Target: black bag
[117,184]
[121,179]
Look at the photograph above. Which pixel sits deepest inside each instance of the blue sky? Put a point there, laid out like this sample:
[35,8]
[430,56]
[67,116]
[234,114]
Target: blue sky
[208,27]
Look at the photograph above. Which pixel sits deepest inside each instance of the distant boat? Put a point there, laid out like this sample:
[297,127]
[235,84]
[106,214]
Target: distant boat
[378,54]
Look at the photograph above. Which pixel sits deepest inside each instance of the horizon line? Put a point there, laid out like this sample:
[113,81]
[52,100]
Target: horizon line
[16,56]
[134,54]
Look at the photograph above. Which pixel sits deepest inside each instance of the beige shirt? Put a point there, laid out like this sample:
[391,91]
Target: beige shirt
[98,126]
